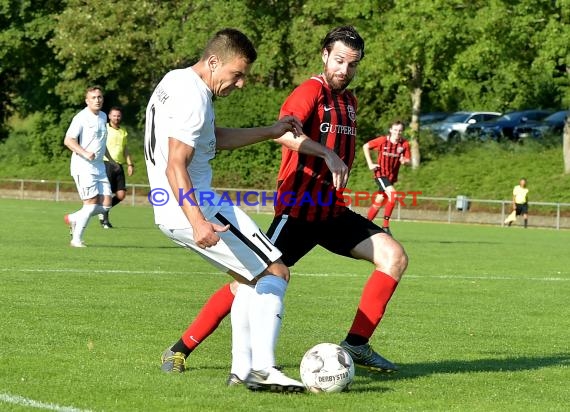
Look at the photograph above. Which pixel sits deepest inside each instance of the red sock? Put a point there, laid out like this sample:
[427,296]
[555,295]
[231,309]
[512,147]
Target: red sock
[388,213]
[375,296]
[210,316]
[372,212]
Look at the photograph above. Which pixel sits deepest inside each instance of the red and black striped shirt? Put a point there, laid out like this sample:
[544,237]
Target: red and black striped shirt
[304,183]
[389,156]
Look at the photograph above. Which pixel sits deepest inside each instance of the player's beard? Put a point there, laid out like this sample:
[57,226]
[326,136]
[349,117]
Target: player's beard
[335,83]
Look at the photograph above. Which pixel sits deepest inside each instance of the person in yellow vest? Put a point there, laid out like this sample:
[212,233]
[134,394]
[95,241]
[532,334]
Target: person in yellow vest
[520,201]
[117,149]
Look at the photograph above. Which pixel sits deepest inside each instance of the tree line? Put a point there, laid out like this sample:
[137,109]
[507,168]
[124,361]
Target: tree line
[421,56]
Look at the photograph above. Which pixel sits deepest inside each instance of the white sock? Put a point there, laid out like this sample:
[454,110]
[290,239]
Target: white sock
[81,218]
[265,313]
[241,346]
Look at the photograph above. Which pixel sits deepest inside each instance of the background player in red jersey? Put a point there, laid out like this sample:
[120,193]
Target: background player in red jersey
[318,162]
[393,151]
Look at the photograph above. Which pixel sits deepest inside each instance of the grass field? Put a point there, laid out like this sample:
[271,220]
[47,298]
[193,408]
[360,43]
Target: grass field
[480,321]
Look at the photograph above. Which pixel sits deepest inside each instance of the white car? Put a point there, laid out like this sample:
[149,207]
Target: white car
[452,128]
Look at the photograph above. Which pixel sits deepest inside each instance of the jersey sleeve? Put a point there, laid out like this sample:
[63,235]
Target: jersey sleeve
[75,128]
[302,101]
[376,142]
[185,109]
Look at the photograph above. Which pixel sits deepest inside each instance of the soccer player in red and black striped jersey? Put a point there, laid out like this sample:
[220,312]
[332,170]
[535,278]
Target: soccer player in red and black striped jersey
[314,166]
[393,151]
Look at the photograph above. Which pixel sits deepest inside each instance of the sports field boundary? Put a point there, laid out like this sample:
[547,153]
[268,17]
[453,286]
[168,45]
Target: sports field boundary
[22,401]
[302,274]
[459,209]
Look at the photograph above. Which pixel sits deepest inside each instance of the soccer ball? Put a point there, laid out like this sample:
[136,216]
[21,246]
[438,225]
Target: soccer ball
[328,368]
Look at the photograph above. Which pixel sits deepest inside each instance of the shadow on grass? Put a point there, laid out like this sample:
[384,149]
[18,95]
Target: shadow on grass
[375,382]
[417,370]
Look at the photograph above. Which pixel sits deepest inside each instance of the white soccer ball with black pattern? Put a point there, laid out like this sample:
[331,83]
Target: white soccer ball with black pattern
[327,367]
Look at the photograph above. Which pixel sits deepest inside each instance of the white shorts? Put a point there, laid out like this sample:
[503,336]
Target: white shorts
[243,248]
[89,186]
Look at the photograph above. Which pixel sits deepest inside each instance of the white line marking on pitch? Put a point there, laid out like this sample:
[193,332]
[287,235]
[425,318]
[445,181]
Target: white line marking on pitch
[164,272]
[21,401]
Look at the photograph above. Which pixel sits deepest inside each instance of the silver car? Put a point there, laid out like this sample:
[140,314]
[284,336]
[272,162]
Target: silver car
[452,128]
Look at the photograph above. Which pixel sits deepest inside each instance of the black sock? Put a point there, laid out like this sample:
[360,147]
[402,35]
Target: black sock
[356,340]
[115,201]
[525,222]
[181,347]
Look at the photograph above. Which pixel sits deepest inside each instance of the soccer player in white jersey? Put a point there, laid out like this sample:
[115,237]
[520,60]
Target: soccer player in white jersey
[86,137]
[180,140]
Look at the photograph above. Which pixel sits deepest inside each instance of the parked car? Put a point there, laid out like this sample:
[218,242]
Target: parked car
[502,127]
[453,127]
[553,124]
[429,118]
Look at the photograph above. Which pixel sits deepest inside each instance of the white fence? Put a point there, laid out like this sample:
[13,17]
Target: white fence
[441,209]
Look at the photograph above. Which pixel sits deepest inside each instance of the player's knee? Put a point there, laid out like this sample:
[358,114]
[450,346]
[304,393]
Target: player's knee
[401,261]
[120,195]
[393,261]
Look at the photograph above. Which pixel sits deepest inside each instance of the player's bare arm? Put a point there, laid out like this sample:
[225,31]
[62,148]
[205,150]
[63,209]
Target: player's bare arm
[73,145]
[371,164]
[230,138]
[179,157]
[130,164]
[304,144]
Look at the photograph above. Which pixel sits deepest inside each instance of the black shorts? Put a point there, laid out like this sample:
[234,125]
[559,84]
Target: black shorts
[383,182]
[521,208]
[116,176]
[296,237]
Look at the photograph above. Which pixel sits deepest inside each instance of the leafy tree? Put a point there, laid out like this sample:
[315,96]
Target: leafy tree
[420,55]
[495,70]
[412,49]
[553,59]
[28,70]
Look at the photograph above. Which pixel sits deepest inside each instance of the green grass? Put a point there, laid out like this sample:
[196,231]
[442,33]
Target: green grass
[479,322]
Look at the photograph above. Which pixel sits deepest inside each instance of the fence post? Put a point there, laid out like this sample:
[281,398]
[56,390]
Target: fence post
[133,195]
[557,216]
[57,190]
[21,189]
[503,214]
[449,211]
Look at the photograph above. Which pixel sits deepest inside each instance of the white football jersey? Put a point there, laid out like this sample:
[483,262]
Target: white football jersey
[180,107]
[90,130]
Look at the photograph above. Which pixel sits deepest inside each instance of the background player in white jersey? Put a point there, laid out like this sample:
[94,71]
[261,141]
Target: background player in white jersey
[86,137]
[180,140]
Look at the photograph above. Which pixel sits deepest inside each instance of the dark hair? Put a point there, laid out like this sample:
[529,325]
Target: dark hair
[397,123]
[229,43]
[347,35]
[117,108]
